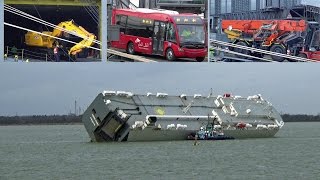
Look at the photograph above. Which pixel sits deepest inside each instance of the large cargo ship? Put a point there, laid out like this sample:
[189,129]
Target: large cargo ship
[124,116]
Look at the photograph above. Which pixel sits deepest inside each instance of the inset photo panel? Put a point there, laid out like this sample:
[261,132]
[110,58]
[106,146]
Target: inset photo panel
[264,31]
[51,31]
[105,30]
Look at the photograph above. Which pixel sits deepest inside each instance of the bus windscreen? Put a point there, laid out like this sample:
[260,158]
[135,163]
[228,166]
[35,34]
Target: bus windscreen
[191,34]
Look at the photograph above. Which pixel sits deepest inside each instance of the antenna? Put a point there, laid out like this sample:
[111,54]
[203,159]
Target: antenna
[211,93]
[75,107]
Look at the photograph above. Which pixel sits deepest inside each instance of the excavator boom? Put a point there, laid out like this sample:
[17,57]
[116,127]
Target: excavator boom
[63,29]
[251,26]
[281,36]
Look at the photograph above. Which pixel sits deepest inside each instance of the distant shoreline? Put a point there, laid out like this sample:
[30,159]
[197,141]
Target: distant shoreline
[40,120]
[76,120]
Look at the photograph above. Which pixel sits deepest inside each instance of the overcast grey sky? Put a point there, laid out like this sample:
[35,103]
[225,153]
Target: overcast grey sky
[52,88]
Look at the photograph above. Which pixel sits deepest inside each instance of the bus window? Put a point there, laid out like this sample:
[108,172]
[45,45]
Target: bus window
[171,33]
[121,21]
[139,27]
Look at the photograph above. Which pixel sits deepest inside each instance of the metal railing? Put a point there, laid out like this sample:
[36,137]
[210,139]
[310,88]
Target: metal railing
[217,44]
[24,55]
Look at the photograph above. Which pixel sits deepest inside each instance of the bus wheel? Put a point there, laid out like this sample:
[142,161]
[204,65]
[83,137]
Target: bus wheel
[302,55]
[277,48]
[170,55]
[130,48]
[200,59]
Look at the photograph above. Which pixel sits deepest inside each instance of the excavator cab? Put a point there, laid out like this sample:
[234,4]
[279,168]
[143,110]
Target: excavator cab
[311,49]
[315,42]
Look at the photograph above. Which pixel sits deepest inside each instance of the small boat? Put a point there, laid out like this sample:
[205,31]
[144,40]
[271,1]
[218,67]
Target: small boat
[213,138]
[209,134]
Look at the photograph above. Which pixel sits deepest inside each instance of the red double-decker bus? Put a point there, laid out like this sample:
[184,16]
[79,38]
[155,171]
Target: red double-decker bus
[160,32]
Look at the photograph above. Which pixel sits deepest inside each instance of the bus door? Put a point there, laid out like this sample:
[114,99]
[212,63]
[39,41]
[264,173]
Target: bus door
[158,37]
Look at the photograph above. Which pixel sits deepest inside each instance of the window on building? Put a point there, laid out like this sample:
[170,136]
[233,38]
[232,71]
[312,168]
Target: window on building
[226,6]
[253,5]
[212,7]
[229,5]
[223,7]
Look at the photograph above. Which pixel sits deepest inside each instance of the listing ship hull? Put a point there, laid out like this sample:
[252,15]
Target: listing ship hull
[123,116]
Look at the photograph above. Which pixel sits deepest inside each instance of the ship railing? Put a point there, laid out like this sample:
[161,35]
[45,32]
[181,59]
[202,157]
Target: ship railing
[24,55]
[179,116]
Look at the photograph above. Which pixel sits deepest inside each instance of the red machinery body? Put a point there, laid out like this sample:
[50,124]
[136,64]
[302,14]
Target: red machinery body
[294,37]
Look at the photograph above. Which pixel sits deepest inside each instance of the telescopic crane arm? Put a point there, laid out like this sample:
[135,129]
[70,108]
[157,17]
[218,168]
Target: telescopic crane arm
[72,28]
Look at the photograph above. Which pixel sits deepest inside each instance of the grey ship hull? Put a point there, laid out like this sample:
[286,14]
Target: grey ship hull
[122,116]
[149,134]
[251,133]
[172,135]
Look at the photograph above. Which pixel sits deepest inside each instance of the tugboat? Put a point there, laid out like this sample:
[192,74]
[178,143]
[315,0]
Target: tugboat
[210,132]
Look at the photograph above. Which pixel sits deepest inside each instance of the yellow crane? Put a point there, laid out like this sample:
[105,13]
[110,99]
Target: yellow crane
[38,40]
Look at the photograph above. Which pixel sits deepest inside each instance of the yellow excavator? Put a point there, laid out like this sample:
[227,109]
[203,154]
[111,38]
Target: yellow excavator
[39,40]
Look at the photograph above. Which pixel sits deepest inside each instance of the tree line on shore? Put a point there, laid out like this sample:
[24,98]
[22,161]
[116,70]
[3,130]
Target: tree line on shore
[40,119]
[73,119]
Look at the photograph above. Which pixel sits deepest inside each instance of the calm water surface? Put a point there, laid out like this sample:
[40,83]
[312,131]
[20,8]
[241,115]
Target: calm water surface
[64,152]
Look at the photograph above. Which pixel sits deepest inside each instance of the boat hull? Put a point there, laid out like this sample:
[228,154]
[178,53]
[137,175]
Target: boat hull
[250,133]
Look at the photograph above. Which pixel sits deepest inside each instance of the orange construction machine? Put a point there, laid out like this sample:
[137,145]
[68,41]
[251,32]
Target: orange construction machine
[293,37]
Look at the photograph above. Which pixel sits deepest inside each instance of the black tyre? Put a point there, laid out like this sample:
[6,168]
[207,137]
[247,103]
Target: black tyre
[130,48]
[242,51]
[278,48]
[170,55]
[200,59]
[302,55]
